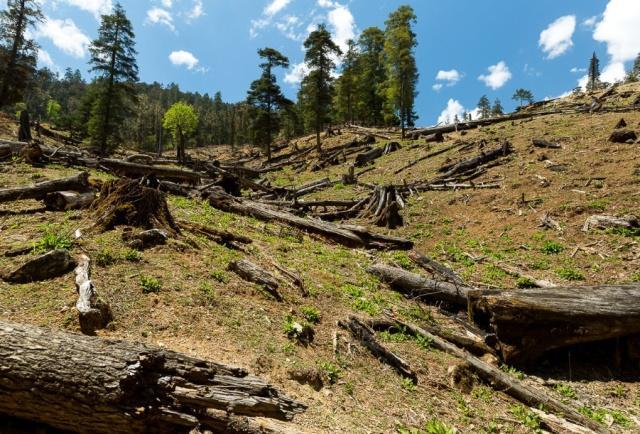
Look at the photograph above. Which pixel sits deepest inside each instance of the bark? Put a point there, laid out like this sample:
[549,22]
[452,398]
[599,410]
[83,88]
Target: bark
[539,143]
[608,221]
[68,200]
[93,313]
[416,285]
[374,154]
[352,236]
[436,268]
[53,264]
[623,136]
[384,206]
[79,182]
[145,239]
[475,162]
[530,322]
[253,273]
[133,170]
[219,236]
[86,384]
[430,155]
[24,132]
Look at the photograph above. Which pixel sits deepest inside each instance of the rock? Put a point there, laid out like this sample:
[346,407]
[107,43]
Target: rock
[47,266]
[622,135]
[621,124]
[145,239]
[310,376]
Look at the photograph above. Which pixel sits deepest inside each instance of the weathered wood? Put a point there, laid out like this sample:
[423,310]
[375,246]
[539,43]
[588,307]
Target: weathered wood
[383,207]
[134,170]
[506,383]
[415,285]
[608,221]
[539,143]
[145,239]
[352,236]
[621,124]
[474,162]
[375,153]
[623,136]
[68,200]
[93,313]
[435,267]
[531,321]
[218,235]
[365,335]
[42,267]
[24,132]
[79,182]
[86,384]
[429,155]
[253,273]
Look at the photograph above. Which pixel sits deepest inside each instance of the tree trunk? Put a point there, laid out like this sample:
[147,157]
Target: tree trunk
[79,182]
[133,170]
[253,273]
[24,133]
[86,384]
[93,312]
[68,200]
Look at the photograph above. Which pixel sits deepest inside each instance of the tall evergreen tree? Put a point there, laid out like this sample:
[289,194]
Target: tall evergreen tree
[522,95]
[346,85]
[402,72]
[317,87]
[484,106]
[18,55]
[634,74]
[113,57]
[372,76]
[593,81]
[497,109]
[266,99]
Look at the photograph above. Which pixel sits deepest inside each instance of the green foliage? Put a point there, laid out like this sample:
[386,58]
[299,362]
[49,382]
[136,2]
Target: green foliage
[402,259]
[181,120]
[295,328]
[219,276]
[54,111]
[523,95]
[598,205]
[395,335]
[311,314]
[150,284]
[207,294]
[600,415]
[484,106]
[482,393]
[526,417]
[408,384]
[133,255]
[550,247]
[593,76]
[513,371]
[568,273]
[565,390]
[424,342]
[331,371]
[525,282]
[106,257]
[434,426]
[52,240]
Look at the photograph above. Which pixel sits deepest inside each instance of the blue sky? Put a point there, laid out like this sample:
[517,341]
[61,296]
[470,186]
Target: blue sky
[467,48]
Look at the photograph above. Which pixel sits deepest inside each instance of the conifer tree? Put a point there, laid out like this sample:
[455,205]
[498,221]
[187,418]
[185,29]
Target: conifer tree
[593,81]
[266,99]
[485,107]
[113,57]
[372,77]
[497,109]
[402,72]
[317,87]
[523,95]
[346,85]
[18,55]
[634,74]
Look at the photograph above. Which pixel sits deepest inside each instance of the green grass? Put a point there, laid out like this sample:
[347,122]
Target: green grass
[525,282]
[513,371]
[570,274]
[565,391]
[150,284]
[550,247]
[133,255]
[600,415]
[106,257]
[331,371]
[311,314]
[526,417]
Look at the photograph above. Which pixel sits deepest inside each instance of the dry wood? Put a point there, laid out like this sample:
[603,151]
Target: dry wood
[370,131]
[539,143]
[217,235]
[429,155]
[375,153]
[93,313]
[547,222]
[253,273]
[86,384]
[529,322]
[42,267]
[623,136]
[383,207]
[79,182]
[134,170]
[416,285]
[366,336]
[68,200]
[435,267]
[505,382]
[608,221]
[559,425]
[481,159]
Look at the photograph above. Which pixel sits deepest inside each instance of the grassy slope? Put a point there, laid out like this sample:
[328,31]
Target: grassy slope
[204,310]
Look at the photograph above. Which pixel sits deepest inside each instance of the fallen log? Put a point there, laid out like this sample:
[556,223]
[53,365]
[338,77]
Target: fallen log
[531,321]
[429,155]
[505,382]
[607,221]
[145,239]
[93,313]
[53,264]
[253,273]
[134,170]
[68,200]
[481,159]
[623,136]
[86,384]
[435,267]
[311,187]
[375,153]
[366,336]
[368,131]
[352,236]
[539,143]
[79,182]
[415,285]
[220,236]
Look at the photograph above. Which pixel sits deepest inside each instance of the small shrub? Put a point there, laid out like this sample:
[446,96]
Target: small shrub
[311,314]
[395,335]
[424,342]
[402,260]
[297,329]
[434,426]
[219,276]
[570,274]
[565,391]
[551,247]
[207,294]
[52,241]
[133,255]
[408,385]
[541,264]
[525,282]
[150,284]
[331,372]
[526,417]
[600,415]
[513,371]
[105,258]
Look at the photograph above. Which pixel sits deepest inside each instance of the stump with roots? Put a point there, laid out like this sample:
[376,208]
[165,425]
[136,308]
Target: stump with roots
[384,207]
[129,203]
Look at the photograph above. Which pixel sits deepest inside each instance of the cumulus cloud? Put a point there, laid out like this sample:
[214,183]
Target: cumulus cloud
[44,58]
[197,10]
[95,7]
[437,87]
[65,35]
[577,70]
[499,75]
[160,16]
[270,11]
[590,22]
[296,73]
[619,29]
[342,25]
[275,7]
[453,109]
[555,40]
[186,59]
[448,78]
[167,3]
[289,26]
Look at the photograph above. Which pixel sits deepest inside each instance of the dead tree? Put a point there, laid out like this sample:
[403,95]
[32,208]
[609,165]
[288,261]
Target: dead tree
[539,143]
[68,200]
[472,163]
[253,273]
[53,264]
[383,208]
[79,182]
[374,154]
[607,222]
[24,132]
[86,384]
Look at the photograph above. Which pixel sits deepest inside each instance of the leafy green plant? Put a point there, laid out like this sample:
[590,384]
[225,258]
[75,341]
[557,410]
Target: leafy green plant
[526,417]
[219,276]
[52,241]
[395,335]
[297,329]
[513,371]
[311,314]
[105,257]
[565,390]
[600,415]
[482,393]
[133,255]
[207,294]
[150,284]
[402,259]
[423,342]
[525,282]
[550,247]
[331,371]
[408,384]
[598,205]
[434,426]
[568,273]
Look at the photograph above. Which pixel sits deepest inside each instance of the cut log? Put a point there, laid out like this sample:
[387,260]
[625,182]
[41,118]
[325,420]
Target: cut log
[434,138]
[68,200]
[366,336]
[505,382]
[312,187]
[86,384]
[549,223]
[623,136]
[53,264]
[539,143]
[415,285]
[79,182]
[253,273]
[530,322]
[383,208]
[429,155]
[375,153]
[608,221]
[352,236]
[220,236]
[93,313]
[436,268]
[133,170]
[475,162]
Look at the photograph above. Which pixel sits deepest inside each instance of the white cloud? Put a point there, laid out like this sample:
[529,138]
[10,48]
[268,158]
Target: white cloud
[555,40]
[96,7]
[451,78]
[167,3]
[65,35]
[590,22]
[453,109]
[187,59]
[613,72]
[160,16]
[327,4]
[343,25]
[289,26]
[275,7]
[269,12]
[296,73]
[44,58]
[582,81]
[437,87]
[196,11]
[498,76]
[576,70]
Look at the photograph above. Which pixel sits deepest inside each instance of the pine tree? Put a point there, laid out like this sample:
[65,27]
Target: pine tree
[402,72]
[523,95]
[266,99]
[346,85]
[485,107]
[593,81]
[372,76]
[317,87]
[497,109]
[634,74]
[113,57]
[18,55]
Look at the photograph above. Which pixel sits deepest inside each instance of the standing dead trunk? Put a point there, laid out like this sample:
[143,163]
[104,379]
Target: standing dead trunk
[24,133]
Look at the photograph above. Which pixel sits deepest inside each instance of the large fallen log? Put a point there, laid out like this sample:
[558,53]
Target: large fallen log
[79,182]
[505,382]
[253,273]
[68,200]
[474,162]
[629,222]
[375,153]
[416,285]
[86,384]
[529,322]
[42,267]
[352,236]
[134,170]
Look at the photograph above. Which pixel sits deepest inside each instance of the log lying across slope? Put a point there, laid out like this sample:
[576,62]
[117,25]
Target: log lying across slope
[87,384]
[529,322]
[348,235]
[79,182]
